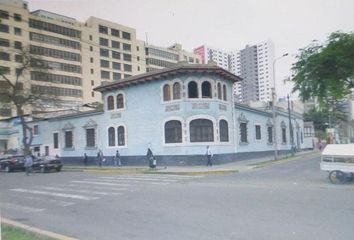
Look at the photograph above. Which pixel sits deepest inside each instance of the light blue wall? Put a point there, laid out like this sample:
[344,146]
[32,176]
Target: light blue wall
[255,117]
[145,114]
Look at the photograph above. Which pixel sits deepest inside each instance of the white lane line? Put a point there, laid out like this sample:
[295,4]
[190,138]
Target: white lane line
[105,188]
[78,191]
[21,208]
[159,183]
[113,181]
[73,196]
[140,179]
[59,202]
[101,183]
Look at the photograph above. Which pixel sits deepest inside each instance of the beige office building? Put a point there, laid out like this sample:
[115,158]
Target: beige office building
[80,55]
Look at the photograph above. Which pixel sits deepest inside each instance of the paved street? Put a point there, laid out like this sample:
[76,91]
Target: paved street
[292,200]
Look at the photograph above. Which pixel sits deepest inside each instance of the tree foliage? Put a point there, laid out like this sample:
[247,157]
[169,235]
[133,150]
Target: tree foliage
[326,71]
[16,91]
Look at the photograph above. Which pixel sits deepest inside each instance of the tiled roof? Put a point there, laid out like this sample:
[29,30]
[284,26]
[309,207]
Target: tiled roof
[166,72]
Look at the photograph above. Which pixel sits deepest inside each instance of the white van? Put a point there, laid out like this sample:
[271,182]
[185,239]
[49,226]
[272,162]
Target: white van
[338,160]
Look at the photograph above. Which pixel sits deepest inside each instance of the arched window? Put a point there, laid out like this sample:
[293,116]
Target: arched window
[120,101]
[201,130]
[206,90]
[224,131]
[173,132]
[224,92]
[110,103]
[121,136]
[192,90]
[176,91]
[166,93]
[219,91]
[111,137]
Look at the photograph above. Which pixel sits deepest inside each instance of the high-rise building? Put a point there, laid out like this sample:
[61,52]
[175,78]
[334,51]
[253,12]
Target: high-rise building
[254,64]
[81,55]
[220,57]
[159,57]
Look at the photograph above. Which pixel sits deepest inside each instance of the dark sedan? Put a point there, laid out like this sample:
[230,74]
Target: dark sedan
[9,163]
[47,163]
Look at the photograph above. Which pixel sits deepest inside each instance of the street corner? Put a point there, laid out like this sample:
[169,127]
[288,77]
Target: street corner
[37,232]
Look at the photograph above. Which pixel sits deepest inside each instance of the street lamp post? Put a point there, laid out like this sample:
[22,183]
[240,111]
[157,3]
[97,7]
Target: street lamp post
[273,109]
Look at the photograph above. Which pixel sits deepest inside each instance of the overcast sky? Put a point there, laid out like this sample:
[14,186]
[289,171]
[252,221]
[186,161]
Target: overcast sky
[224,24]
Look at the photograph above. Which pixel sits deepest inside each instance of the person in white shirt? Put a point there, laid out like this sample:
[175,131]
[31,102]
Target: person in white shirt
[209,156]
[28,164]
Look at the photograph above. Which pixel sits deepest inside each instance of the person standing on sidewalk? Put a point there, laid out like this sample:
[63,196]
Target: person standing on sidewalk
[100,158]
[85,159]
[209,156]
[28,164]
[117,159]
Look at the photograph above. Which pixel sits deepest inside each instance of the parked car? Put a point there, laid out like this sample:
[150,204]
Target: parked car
[47,163]
[9,163]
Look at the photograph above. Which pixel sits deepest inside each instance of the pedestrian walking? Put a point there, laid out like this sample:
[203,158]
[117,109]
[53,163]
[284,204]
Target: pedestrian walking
[150,158]
[28,164]
[209,155]
[100,158]
[117,159]
[85,159]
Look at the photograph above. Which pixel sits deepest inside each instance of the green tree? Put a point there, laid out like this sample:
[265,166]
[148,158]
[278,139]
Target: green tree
[326,71]
[327,117]
[16,91]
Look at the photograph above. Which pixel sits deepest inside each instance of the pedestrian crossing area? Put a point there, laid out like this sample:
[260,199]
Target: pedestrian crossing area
[41,197]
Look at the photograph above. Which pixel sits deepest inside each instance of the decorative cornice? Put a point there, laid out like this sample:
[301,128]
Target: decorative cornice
[242,118]
[90,124]
[68,126]
[169,72]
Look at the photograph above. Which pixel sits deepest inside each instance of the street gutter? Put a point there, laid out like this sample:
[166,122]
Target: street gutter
[45,233]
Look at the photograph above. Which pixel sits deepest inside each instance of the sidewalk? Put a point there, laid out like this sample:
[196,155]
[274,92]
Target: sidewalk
[238,166]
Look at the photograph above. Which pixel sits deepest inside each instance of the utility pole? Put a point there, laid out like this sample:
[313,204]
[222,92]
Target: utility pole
[273,109]
[290,129]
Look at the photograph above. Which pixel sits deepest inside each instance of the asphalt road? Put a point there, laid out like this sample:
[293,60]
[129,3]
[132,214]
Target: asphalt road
[292,200]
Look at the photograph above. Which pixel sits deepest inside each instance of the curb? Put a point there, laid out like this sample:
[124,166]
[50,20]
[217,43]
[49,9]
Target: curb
[235,169]
[268,163]
[36,230]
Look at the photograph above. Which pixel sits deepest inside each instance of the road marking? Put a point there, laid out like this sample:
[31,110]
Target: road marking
[21,208]
[78,190]
[94,187]
[125,181]
[170,176]
[73,196]
[139,178]
[101,183]
[59,202]
[159,183]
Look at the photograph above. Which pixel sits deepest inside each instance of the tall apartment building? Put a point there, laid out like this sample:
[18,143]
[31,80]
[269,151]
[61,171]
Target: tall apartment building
[80,55]
[254,64]
[159,57]
[220,57]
